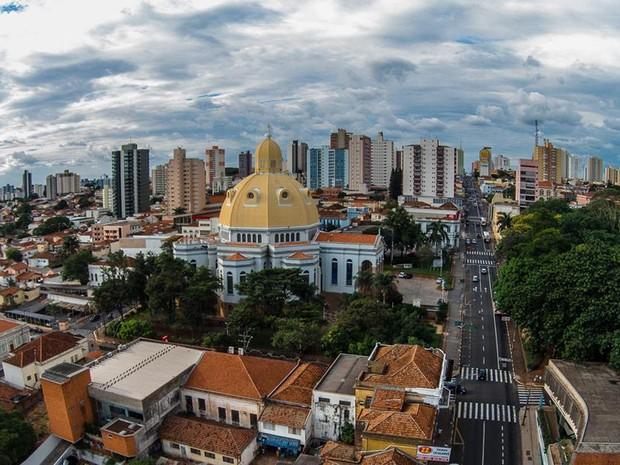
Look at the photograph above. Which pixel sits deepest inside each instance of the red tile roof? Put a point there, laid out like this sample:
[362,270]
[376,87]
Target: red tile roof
[346,238]
[301,256]
[286,415]
[47,346]
[238,375]
[9,291]
[388,399]
[416,421]
[236,257]
[207,435]
[298,386]
[391,456]
[7,325]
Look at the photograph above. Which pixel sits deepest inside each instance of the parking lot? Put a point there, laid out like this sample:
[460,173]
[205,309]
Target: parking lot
[419,290]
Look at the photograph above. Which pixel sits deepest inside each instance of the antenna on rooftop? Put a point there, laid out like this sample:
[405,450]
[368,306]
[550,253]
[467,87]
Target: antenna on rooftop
[536,132]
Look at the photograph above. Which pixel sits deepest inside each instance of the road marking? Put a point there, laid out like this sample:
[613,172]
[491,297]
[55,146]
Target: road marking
[514,414]
[531,395]
[476,411]
[486,412]
[483,337]
[484,431]
[459,410]
[483,360]
[482,347]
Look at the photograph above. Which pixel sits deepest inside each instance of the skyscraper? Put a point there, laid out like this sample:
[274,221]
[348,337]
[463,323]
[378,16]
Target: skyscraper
[50,187]
[552,162]
[339,139]
[612,175]
[525,184]
[215,165]
[460,162]
[575,167]
[61,184]
[381,161]
[594,169]
[159,180]
[245,164]
[486,162]
[360,148]
[297,160]
[185,184]
[27,184]
[428,170]
[130,180]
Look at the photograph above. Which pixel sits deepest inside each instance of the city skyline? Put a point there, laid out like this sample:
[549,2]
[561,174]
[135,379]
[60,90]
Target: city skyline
[73,95]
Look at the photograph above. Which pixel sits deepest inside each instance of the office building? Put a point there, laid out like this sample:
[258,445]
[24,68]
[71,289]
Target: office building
[215,165]
[525,183]
[339,139]
[130,180]
[360,149]
[158,181]
[381,161]
[245,164]
[486,162]
[594,169]
[428,170]
[297,160]
[185,186]
[501,163]
[460,162]
[27,184]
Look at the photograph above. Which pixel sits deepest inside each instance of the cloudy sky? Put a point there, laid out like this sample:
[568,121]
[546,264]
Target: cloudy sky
[80,77]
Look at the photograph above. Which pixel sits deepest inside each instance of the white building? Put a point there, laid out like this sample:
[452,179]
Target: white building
[501,162]
[428,170]
[13,334]
[381,161]
[333,398]
[447,214]
[268,220]
[145,244]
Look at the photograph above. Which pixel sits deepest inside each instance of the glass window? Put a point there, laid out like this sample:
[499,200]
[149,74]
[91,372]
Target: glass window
[229,283]
[228,459]
[174,445]
[253,237]
[238,237]
[269,426]
[234,414]
[210,455]
[277,238]
[349,272]
[323,399]
[253,420]
[334,271]
[221,412]
[288,237]
[260,238]
[194,451]
[298,237]
[242,277]
[201,404]
[295,431]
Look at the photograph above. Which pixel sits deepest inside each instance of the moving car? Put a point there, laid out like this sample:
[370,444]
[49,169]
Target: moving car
[467,241]
[482,374]
[473,241]
[475,278]
[403,275]
[483,270]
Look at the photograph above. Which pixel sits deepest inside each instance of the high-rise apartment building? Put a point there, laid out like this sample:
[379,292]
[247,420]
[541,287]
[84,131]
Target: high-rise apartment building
[525,183]
[61,184]
[107,197]
[594,169]
[612,175]
[130,180]
[398,159]
[297,160]
[215,165]
[186,184]
[501,163]
[27,184]
[428,170]
[339,139]
[381,161]
[39,189]
[575,167]
[486,162]
[245,164]
[159,180]
[460,162]
[360,148]
[552,162]
[318,167]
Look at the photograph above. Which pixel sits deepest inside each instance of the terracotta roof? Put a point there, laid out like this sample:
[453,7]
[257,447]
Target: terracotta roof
[301,256]
[236,257]
[18,266]
[596,458]
[416,421]
[346,238]
[47,346]
[298,386]
[28,275]
[238,375]
[337,452]
[9,291]
[289,244]
[448,206]
[405,366]
[388,399]
[391,456]
[47,255]
[207,435]
[6,325]
[545,184]
[417,204]
[287,415]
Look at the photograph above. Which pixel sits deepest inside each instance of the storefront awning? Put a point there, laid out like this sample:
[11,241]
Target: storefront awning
[293,445]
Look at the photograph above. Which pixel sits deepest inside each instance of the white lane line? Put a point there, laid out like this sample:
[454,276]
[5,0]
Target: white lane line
[514,414]
[460,406]
[476,411]
[493,412]
[484,431]
[483,360]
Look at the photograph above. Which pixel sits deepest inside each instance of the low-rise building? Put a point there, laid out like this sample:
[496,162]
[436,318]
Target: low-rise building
[333,398]
[26,364]
[11,297]
[145,244]
[447,214]
[498,207]
[115,230]
[13,334]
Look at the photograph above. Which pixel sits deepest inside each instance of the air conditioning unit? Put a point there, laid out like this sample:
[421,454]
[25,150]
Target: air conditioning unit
[240,351]
[231,349]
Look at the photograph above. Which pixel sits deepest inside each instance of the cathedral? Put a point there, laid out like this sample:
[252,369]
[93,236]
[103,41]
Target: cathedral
[269,220]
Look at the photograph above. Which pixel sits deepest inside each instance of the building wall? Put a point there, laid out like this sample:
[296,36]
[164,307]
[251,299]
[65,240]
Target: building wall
[123,445]
[359,163]
[378,444]
[525,185]
[12,339]
[184,451]
[342,253]
[382,161]
[329,416]
[428,170]
[215,168]
[130,180]
[302,435]
[185,183]
[213,402]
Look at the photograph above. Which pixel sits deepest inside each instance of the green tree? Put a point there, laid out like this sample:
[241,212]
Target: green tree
[13,254]
[437,233]
[407,233]
[17,438]
[85,201]
[166,285]
[200,298]
[383,282]
[504,221]
[133,328]
[111,296]
[347,433]
[52,225]
[75,267]
[396,183]
[295,335]
[61,205]
[364,282]
[70,245]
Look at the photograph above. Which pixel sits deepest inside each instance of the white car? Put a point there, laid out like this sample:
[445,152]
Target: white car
[476,278]
[483,271]
[439,280]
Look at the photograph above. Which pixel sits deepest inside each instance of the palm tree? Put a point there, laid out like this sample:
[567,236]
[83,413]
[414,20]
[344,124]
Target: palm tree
[437,233]
[364,282]
[383,283]
[504,221]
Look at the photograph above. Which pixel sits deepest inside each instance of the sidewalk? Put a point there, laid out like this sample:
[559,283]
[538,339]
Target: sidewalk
[530,451]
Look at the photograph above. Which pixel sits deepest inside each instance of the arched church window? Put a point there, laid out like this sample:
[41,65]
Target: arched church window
[335,271]
[349,272]
[230,289]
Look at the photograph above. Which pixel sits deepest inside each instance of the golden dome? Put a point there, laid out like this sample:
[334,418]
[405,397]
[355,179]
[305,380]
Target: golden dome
[268,198]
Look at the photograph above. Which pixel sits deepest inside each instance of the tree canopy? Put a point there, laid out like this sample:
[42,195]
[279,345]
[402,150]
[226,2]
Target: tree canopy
[17,438]
[75,266]
[52,225]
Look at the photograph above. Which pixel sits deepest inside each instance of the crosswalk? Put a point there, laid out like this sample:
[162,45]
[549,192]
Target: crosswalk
[486,253]
[493,375]
[531,395]
[479,261]
[485,411]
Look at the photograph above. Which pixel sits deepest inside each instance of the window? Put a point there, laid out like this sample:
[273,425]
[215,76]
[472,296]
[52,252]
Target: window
[306,275]
[345,402]
[238,237]
[349,272]
[174,445]
[115,411]
[269,426]
[295,431]
[136,415]
[253,237]
[323,399]
[288,237]
[334,271]
[210,455]
[234,414]
[253,420]
[189,404]
[260,238]
[297,236]
[229,283]
[243,237]
[194,451]
[201,404]
[277,238]
[221,412]
[242,277]
[29,378]
[346,415]
[228,459]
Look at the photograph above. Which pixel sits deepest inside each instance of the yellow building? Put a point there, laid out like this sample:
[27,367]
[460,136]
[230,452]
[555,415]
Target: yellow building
[11,296]
[485,162]
[552,162]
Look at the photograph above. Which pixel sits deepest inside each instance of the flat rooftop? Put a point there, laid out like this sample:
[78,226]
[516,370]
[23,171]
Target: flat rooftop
[341,376]
[599,387]
[141,368]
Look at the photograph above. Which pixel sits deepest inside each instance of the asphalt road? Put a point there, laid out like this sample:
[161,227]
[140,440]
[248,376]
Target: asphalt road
[486,417]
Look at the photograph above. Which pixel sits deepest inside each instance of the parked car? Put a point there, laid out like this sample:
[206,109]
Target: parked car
[439,280]
[475,279]
[403,275]
[483,270]
[482,374]
[473,241]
